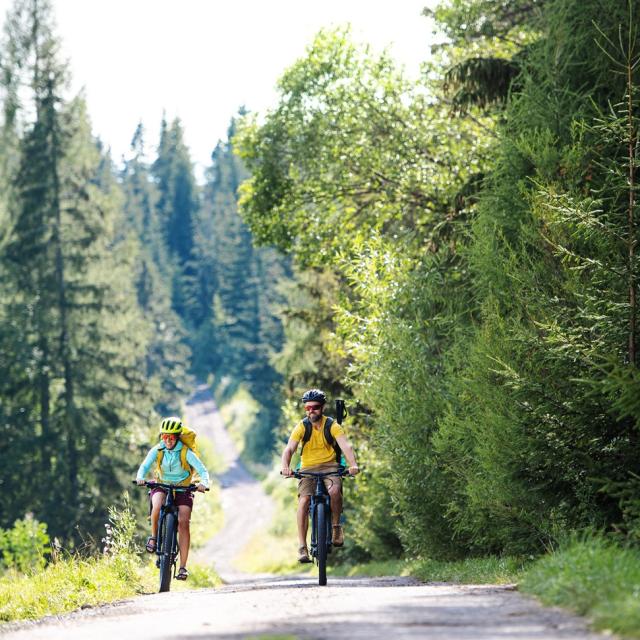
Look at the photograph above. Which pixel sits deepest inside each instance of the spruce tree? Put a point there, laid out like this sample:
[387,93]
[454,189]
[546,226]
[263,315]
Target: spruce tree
[168,354]
[75,380]
[178,206]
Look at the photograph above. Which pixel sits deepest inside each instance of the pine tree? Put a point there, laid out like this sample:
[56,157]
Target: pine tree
[178,206]
[168,354]
[237,292]
[75,376]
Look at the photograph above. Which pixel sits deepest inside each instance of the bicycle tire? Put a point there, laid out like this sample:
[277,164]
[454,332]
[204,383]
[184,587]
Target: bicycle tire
[166,557]
[321,541]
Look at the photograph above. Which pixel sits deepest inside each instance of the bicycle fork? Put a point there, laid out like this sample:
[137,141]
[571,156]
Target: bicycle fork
[312,517]
[175,547]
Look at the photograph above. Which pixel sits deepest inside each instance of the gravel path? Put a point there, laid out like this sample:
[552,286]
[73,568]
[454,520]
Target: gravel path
[347,609]
[246,507]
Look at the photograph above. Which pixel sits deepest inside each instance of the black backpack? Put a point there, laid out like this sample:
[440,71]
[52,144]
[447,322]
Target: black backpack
[340,413]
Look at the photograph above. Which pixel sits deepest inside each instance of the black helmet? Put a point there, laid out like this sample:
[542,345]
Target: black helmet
[314,395]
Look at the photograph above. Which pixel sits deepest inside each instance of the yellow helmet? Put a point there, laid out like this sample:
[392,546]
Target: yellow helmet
[171,425]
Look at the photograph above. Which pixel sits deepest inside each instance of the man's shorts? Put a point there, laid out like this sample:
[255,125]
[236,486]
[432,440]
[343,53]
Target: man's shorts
[307,486]
[183,498]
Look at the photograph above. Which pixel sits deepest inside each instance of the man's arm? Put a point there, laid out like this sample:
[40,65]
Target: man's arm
[287,454]
[347,449]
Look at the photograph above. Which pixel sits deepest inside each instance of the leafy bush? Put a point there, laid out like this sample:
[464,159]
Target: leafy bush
[121,529]
[25,546]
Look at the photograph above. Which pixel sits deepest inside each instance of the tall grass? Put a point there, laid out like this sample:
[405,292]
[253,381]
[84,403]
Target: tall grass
[70,584]
[485,570]
[592,576]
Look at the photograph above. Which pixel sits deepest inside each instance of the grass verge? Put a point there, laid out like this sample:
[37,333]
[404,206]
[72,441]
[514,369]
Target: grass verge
[70,584]
[74,583]
[488,570]
[594,577]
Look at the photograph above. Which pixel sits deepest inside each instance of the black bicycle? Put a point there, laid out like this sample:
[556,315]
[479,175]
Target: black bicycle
[320,514]
[167,548]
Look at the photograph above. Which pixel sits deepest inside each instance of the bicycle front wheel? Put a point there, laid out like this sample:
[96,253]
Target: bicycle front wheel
[321,540]
[166,557]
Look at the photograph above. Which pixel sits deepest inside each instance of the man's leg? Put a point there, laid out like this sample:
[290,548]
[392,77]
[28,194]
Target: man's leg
[184,533]
[335,493]
[303,519]
[303,526]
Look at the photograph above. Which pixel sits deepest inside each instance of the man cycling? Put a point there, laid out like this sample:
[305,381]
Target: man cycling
[317,455]
[173,467]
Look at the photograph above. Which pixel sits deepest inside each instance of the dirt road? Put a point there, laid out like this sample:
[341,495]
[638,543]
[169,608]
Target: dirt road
[246,507]
[346,609]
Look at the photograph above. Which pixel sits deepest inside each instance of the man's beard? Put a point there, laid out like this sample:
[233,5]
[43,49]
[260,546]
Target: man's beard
[316,417]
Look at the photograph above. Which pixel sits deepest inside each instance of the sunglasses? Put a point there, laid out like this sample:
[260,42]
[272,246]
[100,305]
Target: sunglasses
[312,407]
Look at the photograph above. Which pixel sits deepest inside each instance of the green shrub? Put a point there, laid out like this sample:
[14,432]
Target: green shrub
[121,529]
[25,546]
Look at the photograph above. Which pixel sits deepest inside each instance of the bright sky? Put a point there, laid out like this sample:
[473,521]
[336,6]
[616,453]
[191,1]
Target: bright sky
[200,60]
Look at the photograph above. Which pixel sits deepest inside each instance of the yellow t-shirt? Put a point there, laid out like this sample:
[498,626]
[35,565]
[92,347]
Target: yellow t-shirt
[317,450]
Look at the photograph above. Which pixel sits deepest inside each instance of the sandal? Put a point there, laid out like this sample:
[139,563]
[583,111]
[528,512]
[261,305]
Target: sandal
[151,544]
[183,574]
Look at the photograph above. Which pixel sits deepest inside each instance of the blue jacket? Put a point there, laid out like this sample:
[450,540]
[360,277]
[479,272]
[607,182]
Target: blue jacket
[171,468]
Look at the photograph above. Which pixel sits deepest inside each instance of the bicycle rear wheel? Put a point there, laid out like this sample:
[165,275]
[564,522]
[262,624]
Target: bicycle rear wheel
[321,541]
[166,558]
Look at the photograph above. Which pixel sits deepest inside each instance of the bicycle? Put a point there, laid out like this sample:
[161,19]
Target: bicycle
[320,514]
[167,548]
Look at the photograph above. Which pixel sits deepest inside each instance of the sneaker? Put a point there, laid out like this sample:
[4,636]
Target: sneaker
[337,536]
[303,554]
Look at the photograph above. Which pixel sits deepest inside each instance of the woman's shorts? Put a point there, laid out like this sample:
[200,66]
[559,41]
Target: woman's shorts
[307,486]
[183,498]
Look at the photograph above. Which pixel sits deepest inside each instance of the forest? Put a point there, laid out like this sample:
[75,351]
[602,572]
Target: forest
[455,256]
[119,287]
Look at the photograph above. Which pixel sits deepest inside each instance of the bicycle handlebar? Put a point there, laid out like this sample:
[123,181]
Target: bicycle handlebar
[152,484]
[340,471]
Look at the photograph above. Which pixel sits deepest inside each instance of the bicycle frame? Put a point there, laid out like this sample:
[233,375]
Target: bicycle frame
[168,506]
[167,550]
[321,519]
[320,495]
